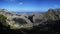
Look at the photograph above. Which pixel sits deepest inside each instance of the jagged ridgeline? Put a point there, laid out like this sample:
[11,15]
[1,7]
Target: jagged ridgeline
[16,21]
[48,22]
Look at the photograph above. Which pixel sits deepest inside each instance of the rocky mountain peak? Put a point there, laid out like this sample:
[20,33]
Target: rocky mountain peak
[54,11]
[32,20]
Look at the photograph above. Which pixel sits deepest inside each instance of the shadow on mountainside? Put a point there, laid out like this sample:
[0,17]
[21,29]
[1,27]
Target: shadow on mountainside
[52,27]
[46,27]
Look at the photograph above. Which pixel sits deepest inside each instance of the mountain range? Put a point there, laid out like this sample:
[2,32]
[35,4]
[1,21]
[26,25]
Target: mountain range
[47,22]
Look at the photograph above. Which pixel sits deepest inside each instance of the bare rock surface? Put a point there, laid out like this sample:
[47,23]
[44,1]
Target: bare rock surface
[48,22]
[30,20]
[13,24]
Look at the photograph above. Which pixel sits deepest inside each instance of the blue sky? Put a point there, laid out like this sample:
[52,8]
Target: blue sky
[29,5]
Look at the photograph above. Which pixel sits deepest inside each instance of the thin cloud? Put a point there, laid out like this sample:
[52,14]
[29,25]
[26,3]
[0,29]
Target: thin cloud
[10,0]
[56,6]
[21,3]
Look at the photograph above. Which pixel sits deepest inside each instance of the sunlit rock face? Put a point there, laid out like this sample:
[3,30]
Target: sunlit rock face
[16,21]
[54,14]
[54,11]
[38,18]
[51,14]
[19,22]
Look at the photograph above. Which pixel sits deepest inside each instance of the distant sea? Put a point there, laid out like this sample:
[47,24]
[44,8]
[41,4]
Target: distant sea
[28,12]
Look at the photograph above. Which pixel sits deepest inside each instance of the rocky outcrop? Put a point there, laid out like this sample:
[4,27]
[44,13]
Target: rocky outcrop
[34,19]
[13,24]
[51,14]
[48,22]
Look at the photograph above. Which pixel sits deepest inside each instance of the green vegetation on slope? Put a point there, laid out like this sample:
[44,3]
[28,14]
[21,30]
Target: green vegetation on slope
[3,19]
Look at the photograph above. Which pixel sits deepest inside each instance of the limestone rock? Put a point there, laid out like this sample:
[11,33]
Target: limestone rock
[13,24]
[51,14]
[28,21]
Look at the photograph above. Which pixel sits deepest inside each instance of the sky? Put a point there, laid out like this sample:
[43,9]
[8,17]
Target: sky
[29,5]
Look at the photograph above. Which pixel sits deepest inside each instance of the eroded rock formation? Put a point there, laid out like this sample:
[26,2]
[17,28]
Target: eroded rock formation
[48,22]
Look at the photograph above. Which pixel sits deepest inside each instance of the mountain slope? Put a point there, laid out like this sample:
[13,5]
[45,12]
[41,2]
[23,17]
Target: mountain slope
[48,22]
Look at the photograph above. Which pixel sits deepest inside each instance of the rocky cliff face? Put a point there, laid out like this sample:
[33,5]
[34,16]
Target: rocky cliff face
[51,14]
[45,22]
[14,22]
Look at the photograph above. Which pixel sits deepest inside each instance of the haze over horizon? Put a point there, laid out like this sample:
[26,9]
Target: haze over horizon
[29,5]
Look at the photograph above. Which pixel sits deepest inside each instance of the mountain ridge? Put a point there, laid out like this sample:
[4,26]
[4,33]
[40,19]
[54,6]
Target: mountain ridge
[48,22]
